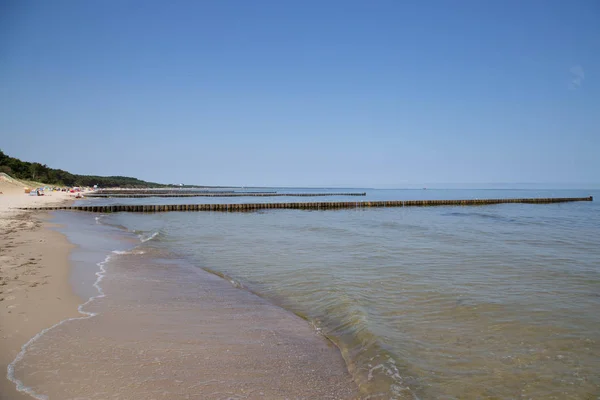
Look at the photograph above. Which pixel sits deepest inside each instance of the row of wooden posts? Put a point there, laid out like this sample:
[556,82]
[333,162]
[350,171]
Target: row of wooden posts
[306,206]
[174,191]
[225,194]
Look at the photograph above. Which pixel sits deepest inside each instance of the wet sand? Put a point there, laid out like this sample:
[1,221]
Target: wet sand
[162,331]
[165,331]
[34,276]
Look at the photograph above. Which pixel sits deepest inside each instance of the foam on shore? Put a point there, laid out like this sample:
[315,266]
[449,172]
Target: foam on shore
[86,314]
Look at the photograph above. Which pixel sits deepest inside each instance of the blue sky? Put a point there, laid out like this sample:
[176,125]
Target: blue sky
[307,93]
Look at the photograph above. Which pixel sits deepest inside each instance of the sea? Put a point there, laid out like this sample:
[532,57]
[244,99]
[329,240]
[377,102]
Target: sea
[447,302]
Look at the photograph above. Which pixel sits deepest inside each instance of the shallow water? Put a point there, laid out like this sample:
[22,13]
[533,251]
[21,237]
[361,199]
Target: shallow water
[432,303]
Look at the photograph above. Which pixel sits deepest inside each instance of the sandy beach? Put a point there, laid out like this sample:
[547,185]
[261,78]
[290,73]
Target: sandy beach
[34,269]
[281,356]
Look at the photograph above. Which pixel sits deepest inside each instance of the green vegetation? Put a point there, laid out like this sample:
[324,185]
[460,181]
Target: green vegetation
[42,173]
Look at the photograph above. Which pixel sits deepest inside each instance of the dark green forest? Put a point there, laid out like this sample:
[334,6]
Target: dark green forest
[34,171]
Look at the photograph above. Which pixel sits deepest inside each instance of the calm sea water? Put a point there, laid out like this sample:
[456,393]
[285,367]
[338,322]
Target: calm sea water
[489,302]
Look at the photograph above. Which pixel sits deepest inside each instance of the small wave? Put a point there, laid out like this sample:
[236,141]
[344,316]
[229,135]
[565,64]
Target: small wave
[234,283]
[101,220]
[387,369]
[133,251]
[144,238]
[11,367]
[491,217]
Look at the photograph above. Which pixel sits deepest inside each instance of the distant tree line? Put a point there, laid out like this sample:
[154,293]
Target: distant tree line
[34,171]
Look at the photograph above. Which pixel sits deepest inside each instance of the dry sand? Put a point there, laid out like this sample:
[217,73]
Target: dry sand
[34,274]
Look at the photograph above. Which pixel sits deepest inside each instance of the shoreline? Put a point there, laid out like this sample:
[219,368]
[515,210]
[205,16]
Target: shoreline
[35,307]
[35,291]
[239,343]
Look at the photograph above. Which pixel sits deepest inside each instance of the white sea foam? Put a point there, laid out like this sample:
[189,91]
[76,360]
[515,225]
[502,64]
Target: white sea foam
[236,284]
[133,251]
[11,367]
[144,239]
[398,389]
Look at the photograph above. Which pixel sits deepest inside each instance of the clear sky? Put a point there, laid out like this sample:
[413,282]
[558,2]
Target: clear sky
[307,93]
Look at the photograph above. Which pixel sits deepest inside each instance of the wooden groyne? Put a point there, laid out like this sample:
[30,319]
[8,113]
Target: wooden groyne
[306,206]
[224,194]
[175,191]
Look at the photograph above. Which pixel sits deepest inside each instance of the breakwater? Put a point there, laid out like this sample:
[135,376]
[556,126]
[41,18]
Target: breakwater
[176,191]
[220,194]
[307,206]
